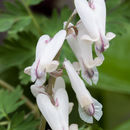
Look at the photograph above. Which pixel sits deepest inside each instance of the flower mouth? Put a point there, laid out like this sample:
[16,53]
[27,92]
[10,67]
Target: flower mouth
[89,73]
[90,110]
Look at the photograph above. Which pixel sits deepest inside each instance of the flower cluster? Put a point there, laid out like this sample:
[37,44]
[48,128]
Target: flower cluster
[89,31]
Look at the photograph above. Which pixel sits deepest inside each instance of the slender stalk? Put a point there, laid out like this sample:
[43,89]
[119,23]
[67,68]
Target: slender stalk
[4,123]
[32,16]
[70,18]
[42,123]
[28,103]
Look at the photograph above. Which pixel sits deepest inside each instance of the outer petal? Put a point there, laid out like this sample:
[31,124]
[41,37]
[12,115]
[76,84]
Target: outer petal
[49,111]
[52,67]
[100,14]
[53,47]
[27,70]
[41,45]
[98,110]
[37,90]
[110,35]
[62,102]
[41,80]
[84,116]
[59,83]
[87,17]
[83,95]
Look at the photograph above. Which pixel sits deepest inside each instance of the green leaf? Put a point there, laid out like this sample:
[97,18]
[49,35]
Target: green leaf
[6,23]
[21,23]
[15,18]
[19,122]
[16,51]
[124,126]
[117,15]
[9,101]
[33,2]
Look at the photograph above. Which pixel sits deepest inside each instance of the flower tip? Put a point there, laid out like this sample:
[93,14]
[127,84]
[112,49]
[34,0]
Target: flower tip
[27,70]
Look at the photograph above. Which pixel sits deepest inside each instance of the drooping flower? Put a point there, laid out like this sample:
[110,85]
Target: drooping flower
[82,48]
[88,106]
[93,16]
[56,112]
[46,51]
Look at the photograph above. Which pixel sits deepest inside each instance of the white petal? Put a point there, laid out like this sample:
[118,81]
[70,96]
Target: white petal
[100,14]
[85,117]
[87,17]
[88,38]
[83,95]
[83,33]
[71,104]
[40,81]
[37,90]
[110,35]
[59,83]
[53,47]
[85,77]
[61,98]
[33,71]
[49,112]
[73,127]
[52,66]
[41,45]
[98,109]
[96,76]
[27,70]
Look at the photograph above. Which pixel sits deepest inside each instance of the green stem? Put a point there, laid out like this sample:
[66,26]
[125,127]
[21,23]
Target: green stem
[42,123]
[4,123]
[32,16]
[70,18]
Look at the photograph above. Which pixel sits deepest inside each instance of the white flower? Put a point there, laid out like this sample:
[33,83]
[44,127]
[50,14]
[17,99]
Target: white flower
[93,16]
[82,48]
[56,112]
[88,106]
[46,51]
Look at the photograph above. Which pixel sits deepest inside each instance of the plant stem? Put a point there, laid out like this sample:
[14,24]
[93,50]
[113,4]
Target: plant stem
[42,123]
[4,123]
[28,103]
[32,16]
[70,18]
[51,81]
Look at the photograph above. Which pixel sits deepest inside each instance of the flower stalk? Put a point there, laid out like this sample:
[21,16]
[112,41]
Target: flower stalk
[33,18]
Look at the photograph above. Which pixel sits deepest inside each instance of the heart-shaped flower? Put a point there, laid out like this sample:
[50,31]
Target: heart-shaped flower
[46,51]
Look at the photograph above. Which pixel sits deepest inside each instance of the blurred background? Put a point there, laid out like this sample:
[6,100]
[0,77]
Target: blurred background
[22,22]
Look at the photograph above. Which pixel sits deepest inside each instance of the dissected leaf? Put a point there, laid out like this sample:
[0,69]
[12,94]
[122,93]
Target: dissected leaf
[19,122]
[16,52]
[9,101]
[15,18]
